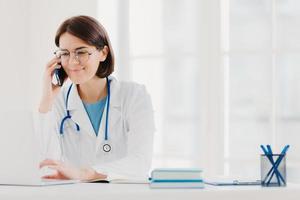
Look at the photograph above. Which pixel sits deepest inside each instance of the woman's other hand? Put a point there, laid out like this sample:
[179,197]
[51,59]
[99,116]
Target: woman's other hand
[65,171]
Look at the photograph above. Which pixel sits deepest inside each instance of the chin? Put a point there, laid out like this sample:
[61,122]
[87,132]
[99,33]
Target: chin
[77,80]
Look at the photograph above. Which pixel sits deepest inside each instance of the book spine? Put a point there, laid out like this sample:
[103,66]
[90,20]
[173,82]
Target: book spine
[176,181]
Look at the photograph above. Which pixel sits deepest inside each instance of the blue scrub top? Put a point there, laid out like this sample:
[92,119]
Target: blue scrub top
[95,112]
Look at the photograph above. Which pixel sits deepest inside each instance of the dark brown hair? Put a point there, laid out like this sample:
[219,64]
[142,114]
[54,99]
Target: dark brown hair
[93,33]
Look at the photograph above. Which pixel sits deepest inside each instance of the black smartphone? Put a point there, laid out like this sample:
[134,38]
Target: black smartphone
[60,75]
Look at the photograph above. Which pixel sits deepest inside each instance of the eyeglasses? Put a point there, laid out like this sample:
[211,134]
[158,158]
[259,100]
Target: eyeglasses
[81,55]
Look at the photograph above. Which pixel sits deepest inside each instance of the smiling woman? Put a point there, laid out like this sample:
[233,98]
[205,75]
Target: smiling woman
[103,128]
[75,68]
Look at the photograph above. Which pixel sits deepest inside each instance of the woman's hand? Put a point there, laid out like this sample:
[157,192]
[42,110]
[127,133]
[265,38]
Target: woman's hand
[50,90]
[64,171]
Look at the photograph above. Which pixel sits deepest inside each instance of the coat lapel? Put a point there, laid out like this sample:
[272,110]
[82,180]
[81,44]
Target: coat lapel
[80,116]
[114,114]
[78,112]
[115,109]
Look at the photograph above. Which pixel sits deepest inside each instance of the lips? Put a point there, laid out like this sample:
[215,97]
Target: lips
[76,70]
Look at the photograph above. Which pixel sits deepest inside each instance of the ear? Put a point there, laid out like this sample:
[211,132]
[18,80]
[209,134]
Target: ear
[104,53]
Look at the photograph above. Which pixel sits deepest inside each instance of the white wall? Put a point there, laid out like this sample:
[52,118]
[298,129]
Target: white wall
[13,52]
[27,43]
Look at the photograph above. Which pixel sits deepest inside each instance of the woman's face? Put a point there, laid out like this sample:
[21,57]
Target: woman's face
[83,68]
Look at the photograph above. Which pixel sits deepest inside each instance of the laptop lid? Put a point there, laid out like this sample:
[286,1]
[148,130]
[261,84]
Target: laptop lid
[19,151]
[18,147]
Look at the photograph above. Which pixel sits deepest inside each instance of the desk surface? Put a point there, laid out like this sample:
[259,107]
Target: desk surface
[103,191]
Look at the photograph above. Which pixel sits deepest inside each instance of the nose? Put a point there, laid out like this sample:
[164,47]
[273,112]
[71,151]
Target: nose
[73,59]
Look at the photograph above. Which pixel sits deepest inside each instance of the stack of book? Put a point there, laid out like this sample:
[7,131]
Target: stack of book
[176,178]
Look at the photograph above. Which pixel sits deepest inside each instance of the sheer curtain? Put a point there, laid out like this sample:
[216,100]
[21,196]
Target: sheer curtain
[260,57]
[222,74]
[173,47]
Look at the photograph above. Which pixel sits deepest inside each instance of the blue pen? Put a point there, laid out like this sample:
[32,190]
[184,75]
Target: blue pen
[277,163]
[272,161]
[264,149]
[269,158]
[267,155]
[275,167]
[283,152]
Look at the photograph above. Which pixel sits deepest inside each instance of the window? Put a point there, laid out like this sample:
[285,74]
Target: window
[223,77]
[155,42]
[163,57]
[260,55]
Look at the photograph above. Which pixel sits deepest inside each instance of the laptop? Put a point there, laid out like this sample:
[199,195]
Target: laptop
[230,182]
[19,151]
[233,182]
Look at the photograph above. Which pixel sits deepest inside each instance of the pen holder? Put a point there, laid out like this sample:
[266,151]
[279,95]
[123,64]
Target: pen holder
[273,170]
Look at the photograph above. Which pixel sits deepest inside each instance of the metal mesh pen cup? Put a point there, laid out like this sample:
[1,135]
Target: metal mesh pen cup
[273,170]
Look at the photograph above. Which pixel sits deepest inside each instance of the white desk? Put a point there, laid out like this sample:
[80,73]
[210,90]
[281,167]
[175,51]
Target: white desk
[102,191]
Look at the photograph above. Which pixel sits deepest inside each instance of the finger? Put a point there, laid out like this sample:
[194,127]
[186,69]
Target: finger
[55,167]
[55,176]
[48,162]
[51,176]
[55,86]
[51,65]
[52,62]
[65,171]
[50,70]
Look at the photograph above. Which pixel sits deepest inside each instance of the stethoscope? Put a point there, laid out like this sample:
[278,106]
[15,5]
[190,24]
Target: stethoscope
[106,147]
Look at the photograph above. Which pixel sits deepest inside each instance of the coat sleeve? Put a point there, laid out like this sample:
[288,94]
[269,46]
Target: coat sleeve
[140,122]
[46,131]
[47,137]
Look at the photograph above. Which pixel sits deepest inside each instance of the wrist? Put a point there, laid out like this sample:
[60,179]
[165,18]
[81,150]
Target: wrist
[45,105]
[43,109]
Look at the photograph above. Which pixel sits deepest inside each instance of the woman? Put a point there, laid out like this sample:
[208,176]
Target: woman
[102,128]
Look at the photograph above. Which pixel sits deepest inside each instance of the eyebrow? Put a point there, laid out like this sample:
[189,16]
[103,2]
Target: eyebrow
[78,48]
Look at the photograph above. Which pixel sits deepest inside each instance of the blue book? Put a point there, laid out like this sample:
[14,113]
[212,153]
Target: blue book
[176,174]
[177,184]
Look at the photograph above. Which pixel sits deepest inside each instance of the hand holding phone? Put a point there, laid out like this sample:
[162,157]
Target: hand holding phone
[60,75]
[54,77]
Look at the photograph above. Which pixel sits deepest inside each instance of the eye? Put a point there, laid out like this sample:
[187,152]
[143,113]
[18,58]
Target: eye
[64,54]
[81,52]
[60,54]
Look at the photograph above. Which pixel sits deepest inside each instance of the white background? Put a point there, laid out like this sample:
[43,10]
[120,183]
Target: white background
[223,74]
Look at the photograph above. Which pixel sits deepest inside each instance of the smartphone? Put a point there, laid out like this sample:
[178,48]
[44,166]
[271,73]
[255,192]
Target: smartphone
[60,75]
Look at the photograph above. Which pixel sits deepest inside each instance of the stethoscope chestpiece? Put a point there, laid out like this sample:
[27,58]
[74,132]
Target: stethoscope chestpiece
[106,148]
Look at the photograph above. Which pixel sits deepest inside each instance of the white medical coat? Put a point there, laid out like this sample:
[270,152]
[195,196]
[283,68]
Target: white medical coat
[130,132]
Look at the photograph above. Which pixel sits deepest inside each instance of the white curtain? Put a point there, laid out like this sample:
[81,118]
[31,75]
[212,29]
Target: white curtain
[173,47]
[260,57]
[222,75]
